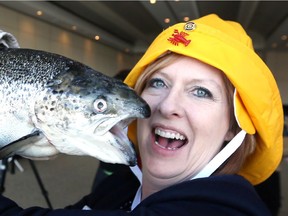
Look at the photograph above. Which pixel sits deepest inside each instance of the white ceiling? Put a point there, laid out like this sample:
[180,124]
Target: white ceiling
[132,25]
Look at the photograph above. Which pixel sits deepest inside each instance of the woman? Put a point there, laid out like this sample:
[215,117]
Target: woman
[215,128]
[187,97]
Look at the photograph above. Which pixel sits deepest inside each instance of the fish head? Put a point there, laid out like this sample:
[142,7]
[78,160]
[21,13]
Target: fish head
[84,112]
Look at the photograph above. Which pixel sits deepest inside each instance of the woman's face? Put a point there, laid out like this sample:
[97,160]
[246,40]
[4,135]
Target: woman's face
[189,120]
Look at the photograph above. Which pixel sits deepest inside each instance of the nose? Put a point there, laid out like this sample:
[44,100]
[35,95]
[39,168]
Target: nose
[170,104]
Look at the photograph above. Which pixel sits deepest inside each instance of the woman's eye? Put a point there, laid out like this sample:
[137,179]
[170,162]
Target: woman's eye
[156,83]
[202,92]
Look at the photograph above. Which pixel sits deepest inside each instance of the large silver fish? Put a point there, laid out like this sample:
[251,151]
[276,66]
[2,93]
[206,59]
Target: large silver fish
[50,104]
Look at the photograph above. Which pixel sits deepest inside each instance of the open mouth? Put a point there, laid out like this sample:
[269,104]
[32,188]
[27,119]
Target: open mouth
[119,132]
[169,140]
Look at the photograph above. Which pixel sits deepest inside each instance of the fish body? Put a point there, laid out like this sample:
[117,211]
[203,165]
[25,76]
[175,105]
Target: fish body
[51,104]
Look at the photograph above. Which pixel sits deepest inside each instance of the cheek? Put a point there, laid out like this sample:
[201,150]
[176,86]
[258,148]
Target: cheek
[140,125]
[210,125]
[143,131]
[152,100]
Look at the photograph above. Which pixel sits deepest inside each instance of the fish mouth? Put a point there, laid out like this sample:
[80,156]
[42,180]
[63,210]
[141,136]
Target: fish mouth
[112,123]
[119,131]
[118,128]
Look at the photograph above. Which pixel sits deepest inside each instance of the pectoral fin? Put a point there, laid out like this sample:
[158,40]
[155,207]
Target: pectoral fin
[13,147]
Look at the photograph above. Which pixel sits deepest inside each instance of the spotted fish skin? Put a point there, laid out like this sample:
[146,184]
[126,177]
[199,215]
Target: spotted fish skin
[51,104]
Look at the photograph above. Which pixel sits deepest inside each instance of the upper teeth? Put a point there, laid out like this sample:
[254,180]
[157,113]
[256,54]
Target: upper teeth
[169,135]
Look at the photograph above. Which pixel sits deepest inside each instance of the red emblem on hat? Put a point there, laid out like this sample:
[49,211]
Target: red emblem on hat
[179,38]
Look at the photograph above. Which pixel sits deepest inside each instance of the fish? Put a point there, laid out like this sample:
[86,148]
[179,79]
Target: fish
[51,104]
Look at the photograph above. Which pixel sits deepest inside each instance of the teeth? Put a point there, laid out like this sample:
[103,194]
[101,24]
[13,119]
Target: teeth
[169,135]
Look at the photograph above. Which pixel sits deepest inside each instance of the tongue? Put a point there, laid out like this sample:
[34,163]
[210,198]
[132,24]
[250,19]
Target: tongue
[169,143]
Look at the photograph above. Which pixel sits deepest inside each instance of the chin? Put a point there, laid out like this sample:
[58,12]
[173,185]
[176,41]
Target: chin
[164,168]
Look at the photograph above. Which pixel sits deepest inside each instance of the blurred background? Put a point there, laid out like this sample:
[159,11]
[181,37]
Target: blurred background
[111,36]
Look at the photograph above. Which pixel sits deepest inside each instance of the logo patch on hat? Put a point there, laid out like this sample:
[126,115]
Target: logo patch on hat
[189,26]
[179,37]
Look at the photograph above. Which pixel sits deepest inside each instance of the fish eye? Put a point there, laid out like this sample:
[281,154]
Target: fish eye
[100,105]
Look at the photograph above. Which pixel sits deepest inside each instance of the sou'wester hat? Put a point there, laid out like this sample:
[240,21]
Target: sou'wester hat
[226,46]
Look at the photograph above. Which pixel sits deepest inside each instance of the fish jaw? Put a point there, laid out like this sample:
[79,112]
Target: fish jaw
[110,149]
[113,146]
[106,139]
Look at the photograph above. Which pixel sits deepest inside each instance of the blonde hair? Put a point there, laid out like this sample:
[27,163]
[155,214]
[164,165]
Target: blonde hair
[236,160]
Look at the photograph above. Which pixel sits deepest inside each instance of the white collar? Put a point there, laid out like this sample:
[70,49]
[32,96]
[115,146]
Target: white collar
[138,173]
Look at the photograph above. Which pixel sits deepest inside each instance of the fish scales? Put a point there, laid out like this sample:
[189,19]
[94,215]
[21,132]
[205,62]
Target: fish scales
[51,104]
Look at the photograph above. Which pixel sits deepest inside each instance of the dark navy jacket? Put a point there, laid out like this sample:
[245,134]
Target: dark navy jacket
[218,195]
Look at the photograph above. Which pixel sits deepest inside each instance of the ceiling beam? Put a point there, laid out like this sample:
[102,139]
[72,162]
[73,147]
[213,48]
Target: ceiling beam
[245,15]
[246,12]
[183,9]
[107,14]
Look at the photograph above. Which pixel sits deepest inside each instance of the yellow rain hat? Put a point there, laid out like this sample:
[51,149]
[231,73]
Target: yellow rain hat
[226,46]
